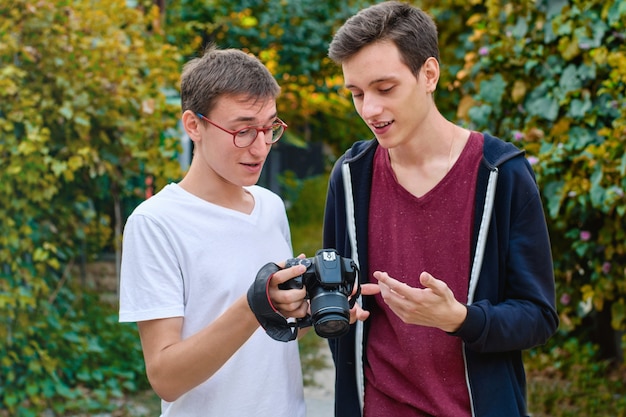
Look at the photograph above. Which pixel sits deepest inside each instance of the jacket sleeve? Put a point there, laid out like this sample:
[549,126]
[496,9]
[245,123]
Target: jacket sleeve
[514,305]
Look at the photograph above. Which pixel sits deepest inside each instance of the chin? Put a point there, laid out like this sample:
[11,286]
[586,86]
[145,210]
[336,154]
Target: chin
[250,182]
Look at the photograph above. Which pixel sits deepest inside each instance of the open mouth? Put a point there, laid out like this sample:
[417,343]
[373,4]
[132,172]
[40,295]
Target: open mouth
[381,125]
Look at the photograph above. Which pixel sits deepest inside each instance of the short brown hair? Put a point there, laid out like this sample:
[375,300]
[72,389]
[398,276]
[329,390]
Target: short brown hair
[411,29]
[227,72]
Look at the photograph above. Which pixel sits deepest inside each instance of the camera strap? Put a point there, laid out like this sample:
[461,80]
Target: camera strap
[274,323]
[356,295]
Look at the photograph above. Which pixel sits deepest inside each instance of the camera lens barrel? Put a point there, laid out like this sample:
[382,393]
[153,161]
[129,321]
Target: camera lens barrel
[331,314]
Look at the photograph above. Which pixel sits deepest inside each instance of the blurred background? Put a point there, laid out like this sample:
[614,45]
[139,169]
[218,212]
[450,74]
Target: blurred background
[89,128]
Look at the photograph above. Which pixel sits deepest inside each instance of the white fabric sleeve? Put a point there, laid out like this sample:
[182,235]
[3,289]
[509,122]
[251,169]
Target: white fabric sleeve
[151,283]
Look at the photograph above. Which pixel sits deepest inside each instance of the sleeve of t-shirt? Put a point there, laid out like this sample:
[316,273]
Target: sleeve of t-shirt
[151,283]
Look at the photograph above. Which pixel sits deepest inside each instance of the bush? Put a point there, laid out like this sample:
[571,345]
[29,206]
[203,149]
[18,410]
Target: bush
[570,381]
[83,116]
[305,199]
[74,358]
[550,76]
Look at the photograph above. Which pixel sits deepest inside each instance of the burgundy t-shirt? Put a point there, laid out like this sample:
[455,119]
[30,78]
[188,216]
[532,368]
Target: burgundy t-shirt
[414,370]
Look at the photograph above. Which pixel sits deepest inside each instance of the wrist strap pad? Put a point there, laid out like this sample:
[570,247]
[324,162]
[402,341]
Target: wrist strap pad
[275,325]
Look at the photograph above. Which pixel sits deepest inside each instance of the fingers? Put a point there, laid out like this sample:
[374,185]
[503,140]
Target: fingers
[384,279]
[366,289]
[370,289]
[437,286]
[390,286]
[431,306]
[288,302]
[357,313]
[286,274]
[295,310]
[427,280]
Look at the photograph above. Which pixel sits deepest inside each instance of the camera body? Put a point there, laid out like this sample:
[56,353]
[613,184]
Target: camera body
[329,280]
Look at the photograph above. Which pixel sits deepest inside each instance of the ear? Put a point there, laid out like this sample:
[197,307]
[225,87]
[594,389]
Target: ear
[430,70]
[191,124]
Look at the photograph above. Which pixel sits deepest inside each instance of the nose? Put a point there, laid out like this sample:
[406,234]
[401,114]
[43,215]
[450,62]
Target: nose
[259,146]
[370,107]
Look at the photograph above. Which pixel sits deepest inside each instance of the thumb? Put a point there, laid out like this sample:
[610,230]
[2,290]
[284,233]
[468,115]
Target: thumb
[428,281]
[437,286]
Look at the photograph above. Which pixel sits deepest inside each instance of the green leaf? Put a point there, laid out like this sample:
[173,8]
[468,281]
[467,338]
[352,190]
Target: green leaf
[618,314]
[520,29]
[569,80]
[579,108]
[480,114]
[492,90]
[544,107]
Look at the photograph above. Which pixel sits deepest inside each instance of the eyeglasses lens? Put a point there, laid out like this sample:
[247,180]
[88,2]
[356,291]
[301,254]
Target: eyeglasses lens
[277,132]
[246,137]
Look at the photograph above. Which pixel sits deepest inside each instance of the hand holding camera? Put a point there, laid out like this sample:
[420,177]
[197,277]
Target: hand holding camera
[329,280]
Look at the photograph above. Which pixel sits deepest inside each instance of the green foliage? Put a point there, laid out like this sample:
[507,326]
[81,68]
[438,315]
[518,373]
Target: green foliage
[83,116]
[551,77]
[291,38]
[84,119]
[75,358]
[455,40]
[593,387]
[305,199]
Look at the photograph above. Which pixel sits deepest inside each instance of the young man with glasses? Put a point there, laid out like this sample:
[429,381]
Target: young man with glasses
[448,230]
[191,252]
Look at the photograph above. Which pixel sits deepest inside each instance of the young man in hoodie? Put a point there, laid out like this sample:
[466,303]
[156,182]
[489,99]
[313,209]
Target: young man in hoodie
[448,230]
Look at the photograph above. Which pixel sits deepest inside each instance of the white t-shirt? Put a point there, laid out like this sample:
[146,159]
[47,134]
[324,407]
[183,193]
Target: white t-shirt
[183,256]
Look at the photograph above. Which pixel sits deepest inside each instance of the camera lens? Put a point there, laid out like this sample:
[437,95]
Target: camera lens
[330,313]
[333,325]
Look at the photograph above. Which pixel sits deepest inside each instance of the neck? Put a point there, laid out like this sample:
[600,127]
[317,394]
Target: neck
[218,191]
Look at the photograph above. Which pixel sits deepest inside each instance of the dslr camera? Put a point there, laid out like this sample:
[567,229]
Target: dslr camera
[329,280]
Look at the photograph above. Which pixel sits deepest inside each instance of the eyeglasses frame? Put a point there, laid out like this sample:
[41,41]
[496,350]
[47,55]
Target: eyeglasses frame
[263,129]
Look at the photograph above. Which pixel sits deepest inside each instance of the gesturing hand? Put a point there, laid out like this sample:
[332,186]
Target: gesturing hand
[431,306]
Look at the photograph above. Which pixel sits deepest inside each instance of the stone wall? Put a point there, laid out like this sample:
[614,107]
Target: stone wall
[101,275]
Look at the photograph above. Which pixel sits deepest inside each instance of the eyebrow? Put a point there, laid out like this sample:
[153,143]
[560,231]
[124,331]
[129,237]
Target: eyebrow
[376,81]
[252,119]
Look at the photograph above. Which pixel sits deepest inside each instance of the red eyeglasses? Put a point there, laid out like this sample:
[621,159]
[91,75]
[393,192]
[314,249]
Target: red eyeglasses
[246,136]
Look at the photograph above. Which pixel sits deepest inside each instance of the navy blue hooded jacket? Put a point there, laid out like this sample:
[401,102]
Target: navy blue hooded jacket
[511,295]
